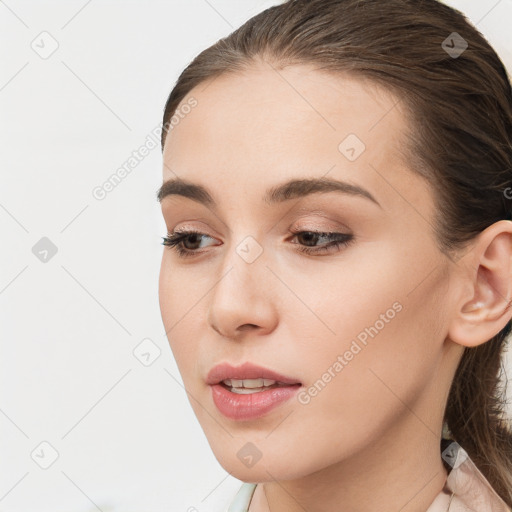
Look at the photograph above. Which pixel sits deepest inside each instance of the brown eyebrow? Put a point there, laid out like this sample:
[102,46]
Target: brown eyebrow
[288,190]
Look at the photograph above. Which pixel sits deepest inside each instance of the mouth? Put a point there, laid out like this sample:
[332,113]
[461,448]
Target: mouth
[248,392]
[247,375]
[250,386]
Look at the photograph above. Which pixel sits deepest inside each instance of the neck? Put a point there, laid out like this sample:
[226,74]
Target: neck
[385,475]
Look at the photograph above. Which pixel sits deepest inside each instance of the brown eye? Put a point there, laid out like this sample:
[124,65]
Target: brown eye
[310,238]
[178,241]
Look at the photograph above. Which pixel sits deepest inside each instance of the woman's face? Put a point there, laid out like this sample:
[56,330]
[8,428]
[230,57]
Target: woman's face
[361,326]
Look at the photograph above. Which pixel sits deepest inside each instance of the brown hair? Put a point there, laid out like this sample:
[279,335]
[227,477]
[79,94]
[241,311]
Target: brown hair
[460,108]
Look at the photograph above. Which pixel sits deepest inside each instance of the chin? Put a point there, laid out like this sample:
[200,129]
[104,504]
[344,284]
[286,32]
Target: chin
[266,469]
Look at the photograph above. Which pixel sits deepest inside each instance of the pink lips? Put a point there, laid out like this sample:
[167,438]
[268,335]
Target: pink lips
[245,371]
[248,406]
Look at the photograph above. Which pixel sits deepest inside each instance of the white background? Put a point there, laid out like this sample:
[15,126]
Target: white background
[125,433]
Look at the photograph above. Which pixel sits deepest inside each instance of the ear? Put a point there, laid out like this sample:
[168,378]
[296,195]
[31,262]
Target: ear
[485,281]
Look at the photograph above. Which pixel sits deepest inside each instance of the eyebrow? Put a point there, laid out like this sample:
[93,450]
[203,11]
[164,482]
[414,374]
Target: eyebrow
[291,189]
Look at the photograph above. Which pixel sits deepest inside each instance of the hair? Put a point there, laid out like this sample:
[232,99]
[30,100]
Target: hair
[460,112]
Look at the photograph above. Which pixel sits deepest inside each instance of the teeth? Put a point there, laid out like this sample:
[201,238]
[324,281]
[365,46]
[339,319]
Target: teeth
[249,383]
[247,391]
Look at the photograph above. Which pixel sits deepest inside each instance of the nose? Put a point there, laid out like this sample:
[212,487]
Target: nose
[244,297]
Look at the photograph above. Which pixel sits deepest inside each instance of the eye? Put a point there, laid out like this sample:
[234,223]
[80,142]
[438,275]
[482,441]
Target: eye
[336,240]
[178,241]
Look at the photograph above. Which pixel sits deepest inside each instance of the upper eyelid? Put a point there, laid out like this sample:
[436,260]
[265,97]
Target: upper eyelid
[301,209]
[299,226]
[183,233]
[303,223]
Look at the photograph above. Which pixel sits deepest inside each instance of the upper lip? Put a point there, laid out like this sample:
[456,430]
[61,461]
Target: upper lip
[247,370]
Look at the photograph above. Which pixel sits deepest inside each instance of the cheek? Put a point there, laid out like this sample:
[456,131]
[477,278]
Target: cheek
[381,349]
[348,404]
[179,303]
[179,293]
[167,297]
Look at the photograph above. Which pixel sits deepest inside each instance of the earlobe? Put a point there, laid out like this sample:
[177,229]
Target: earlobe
[485,307]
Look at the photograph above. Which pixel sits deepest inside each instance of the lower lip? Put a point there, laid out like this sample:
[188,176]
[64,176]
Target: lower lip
[250,406]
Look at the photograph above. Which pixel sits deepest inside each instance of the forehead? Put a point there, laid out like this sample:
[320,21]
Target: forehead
[258,127]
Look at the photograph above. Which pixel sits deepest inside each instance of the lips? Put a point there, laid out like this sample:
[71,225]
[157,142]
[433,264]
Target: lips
[256,403]
[247,370]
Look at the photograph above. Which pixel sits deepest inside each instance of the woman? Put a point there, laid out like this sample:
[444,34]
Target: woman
[337,278]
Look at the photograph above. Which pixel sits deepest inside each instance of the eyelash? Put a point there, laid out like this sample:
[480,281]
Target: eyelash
[175,242]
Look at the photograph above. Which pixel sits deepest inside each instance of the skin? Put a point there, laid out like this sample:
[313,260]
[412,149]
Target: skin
[370,438]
